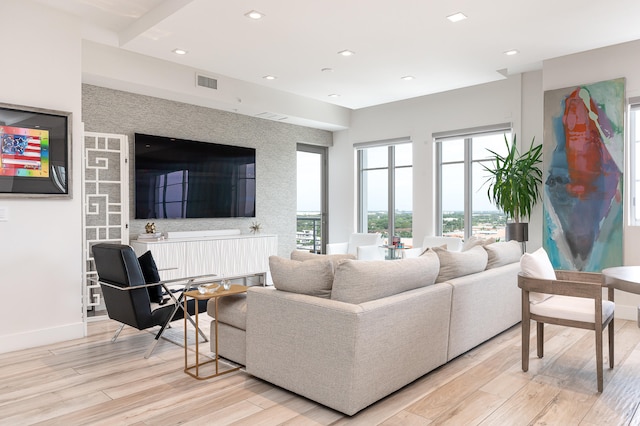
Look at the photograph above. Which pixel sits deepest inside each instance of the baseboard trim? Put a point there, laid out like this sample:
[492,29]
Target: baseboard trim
[626,312]
[34,338]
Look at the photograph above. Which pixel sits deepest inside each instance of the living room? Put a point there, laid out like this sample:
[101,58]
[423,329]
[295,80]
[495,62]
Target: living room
[101,86]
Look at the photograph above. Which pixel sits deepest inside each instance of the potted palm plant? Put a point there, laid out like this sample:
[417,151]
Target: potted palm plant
[514,185]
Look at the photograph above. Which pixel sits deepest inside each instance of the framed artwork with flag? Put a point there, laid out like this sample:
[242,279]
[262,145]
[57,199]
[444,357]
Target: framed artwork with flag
[583,175]
[35,152]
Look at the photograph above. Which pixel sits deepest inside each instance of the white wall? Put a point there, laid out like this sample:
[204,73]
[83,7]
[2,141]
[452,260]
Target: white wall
[102,66]
[418,118]
[40,250]
[590,67]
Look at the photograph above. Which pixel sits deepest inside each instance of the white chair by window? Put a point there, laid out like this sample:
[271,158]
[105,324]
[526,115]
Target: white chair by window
[567,298]
[356,240]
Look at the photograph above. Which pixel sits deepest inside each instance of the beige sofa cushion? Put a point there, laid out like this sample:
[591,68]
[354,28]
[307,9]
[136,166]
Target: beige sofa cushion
[232,310]
[358,281]
[455,264]
[503,253]
[476,240]
[302,256]
[312,277]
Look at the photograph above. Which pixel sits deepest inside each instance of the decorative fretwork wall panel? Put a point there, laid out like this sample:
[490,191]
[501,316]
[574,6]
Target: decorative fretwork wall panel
[106,204]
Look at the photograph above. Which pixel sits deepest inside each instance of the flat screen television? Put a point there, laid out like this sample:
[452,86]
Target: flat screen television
[178,178]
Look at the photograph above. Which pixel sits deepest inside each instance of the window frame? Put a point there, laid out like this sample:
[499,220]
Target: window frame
[467,135]
[634,150]
[391,189]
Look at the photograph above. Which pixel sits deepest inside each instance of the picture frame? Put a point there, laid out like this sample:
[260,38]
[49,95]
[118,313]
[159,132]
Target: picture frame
[35,152]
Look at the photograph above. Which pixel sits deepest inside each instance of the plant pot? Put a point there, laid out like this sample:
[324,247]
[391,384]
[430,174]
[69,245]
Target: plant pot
[517,231]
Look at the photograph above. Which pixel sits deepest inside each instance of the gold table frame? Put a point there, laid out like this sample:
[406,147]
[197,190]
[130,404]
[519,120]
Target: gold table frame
[195,294]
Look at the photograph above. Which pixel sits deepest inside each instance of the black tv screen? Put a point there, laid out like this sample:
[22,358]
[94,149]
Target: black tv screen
[177,178]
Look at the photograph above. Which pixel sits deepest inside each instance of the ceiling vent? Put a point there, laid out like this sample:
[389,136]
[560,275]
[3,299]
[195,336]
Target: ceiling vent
[272,116]
[208,82]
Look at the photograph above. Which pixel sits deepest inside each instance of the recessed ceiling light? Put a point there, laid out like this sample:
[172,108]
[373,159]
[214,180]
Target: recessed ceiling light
[254,14]
[179,51]
[334,95]
[511,52]
[408,78]
[346,53]
[457,17]
[269,77]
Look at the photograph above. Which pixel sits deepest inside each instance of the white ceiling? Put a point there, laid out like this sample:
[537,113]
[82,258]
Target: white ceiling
[298,38]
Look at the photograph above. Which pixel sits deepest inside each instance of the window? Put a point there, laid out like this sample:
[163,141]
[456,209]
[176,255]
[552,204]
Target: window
[634,136]
[312,198]
[385,188]
[464,208]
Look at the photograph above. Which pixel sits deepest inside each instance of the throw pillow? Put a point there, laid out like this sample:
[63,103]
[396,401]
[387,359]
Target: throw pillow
[151,275]
[358,281]
[312,277]
[476,240]
[503,253]
[455,264]
[537,265]
[302,256]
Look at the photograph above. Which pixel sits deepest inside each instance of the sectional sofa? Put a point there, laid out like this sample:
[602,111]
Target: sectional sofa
[346,333]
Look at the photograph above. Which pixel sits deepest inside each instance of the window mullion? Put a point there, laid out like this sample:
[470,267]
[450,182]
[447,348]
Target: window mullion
[439,218]
[468,214]
[391,171]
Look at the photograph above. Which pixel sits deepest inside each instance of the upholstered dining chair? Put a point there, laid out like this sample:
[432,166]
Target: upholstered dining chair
[127,287]
[371,241]
[567,298]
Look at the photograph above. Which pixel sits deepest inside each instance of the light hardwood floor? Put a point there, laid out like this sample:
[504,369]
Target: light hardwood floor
[93,381]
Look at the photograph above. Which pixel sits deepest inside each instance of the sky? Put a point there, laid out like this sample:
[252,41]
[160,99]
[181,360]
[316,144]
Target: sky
[309,167]
[309,182]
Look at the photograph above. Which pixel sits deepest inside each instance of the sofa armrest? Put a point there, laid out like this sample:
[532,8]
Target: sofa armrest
[337,248]
[340,354]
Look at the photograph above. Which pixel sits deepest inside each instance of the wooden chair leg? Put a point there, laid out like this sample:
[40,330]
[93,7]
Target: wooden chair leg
[599,358]
[526,327]
[540,338]
[611,346]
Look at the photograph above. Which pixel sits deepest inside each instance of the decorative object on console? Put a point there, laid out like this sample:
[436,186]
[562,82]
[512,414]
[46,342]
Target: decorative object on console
[150,228]
[255,227]
[156,236]
[514,186]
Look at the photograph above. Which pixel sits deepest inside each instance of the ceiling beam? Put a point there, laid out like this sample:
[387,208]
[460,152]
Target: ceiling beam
[151,19]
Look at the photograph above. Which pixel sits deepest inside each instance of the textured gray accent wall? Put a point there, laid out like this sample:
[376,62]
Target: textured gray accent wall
[113,111]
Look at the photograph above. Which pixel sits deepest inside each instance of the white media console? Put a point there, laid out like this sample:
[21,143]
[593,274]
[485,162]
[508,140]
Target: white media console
[229,254]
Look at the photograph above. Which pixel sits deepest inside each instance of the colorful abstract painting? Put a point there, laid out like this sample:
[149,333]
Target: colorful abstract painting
[583,165]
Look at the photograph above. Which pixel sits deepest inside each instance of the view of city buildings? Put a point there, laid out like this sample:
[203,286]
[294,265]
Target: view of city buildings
[489,224]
